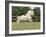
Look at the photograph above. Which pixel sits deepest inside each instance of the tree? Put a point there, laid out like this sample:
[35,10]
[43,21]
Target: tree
[17,11]
[37,11]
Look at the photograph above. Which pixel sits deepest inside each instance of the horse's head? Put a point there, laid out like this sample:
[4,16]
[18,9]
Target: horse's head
[32,13]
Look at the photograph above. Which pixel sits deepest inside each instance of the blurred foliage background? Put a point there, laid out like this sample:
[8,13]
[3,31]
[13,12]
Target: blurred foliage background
[17,11]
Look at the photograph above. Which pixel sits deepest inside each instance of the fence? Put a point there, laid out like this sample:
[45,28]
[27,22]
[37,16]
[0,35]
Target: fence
[34,18]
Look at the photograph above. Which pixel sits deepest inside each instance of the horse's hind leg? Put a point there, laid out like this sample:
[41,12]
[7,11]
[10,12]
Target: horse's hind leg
[18,21]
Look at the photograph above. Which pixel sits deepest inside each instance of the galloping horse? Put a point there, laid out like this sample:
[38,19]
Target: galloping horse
[26,17]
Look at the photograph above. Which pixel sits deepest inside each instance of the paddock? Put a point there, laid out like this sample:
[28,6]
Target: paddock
[25,26]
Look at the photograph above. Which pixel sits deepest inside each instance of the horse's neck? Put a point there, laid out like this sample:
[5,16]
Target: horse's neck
[28,14]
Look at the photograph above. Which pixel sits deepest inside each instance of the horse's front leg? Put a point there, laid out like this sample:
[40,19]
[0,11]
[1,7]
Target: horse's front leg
[30,20]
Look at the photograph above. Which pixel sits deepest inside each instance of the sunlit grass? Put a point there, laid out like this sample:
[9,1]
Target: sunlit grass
[25,26]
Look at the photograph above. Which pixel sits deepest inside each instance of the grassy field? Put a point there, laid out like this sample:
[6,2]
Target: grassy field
[25,26]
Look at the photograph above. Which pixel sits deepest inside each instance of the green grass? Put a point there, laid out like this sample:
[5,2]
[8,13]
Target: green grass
[25,26]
